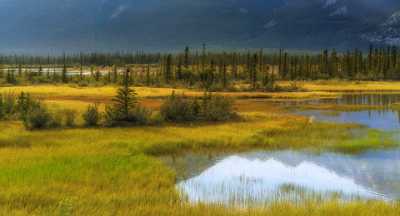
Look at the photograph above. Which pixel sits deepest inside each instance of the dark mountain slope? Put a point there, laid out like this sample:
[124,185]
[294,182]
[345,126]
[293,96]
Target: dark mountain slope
[71,25]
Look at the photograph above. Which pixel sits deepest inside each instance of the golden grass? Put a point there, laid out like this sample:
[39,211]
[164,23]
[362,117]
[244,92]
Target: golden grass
[104,93]
[348,86]
[103,171]
[112,171]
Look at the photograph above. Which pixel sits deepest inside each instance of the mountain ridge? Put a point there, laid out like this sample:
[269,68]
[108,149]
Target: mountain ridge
[105,25]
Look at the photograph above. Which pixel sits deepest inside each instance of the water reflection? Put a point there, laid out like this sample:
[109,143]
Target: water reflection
[369,99]
[260,177]
[386,118]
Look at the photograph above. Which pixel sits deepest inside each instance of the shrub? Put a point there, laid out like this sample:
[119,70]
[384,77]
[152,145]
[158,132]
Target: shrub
[8,105]
[217,108]
[56,120]
[25,104]
[92,116]
[2,110]
[179,108]
[137,116]
[38,118]
[70,116]
[12,107]
[141,115]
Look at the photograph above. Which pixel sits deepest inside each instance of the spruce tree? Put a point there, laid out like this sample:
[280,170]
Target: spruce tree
[224,76]
[179,69]
[1,68]
[253,71]
[186,59]
[64,77]
[115,74]
[148,78]
[81,67]
[124,102]
[168,69]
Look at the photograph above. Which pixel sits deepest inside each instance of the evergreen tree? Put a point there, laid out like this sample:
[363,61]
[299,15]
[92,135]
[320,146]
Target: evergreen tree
[124,103]
[186,61]
[115,74]
[81,67]
[224,76]
[253,71]
[168,69]
[64,77]
[179,69]
[97,75]
[148,78]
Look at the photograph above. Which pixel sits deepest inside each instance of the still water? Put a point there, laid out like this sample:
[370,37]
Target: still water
[260,177]
[257,178]
[386,118]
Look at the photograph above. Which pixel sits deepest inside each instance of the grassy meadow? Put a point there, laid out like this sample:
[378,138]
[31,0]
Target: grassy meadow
[117,171]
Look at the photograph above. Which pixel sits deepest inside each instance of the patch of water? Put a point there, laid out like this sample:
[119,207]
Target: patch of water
[385,118]
[259,177]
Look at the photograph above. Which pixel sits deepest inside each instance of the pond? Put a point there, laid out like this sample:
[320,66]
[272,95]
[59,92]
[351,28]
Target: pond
[385,118]
[257,178]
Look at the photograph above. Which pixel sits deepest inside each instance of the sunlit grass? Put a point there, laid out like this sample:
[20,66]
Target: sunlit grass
[107,171]
[102,93]
[115,171]
[348,86]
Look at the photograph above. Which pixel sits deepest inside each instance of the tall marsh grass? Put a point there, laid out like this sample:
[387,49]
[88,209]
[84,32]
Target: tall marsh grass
[114,171]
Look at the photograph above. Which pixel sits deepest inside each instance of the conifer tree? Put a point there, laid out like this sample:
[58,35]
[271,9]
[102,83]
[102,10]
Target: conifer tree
[186,61]
[81,67]
[124,102]
[40,70]
[253,71]
[224,76]
[203,58]
[1,68]
[148,78]
[97,75]
[115,74]
[168,69]
[179,69]
[64,77]
[234,66]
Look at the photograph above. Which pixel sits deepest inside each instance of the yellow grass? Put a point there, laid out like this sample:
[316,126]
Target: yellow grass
[348,86]
[104,171]
[106,92]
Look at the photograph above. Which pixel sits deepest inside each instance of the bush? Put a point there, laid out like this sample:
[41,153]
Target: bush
[25,104]
[141,115]
[185,109]
[8,106]
[2,110]
[217,108]
[38,118]
[13,107]
[56,120]
[179,108]
[137,116]
[70,116]
[92,116]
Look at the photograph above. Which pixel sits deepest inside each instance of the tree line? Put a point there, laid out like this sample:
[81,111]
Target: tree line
[259,70]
